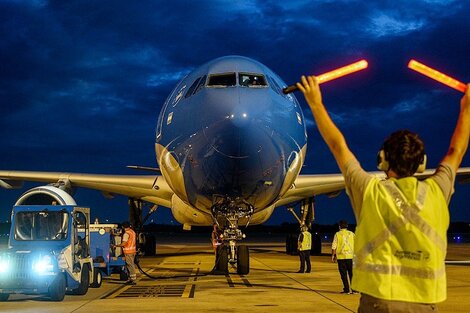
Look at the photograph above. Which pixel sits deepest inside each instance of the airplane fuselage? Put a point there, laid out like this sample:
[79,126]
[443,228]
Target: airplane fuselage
[228,133]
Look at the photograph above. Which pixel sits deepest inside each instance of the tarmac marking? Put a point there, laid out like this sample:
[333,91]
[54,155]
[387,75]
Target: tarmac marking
[229,281]
[146,289]
[117,292]
[190,288]
[302,284]
[180,263]
[235,281]
[152,291]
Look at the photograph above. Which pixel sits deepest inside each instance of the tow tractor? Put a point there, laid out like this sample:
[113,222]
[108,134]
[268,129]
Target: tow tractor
[49,247]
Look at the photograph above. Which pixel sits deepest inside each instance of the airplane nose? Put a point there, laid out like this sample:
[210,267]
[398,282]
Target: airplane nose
[238,127]
[237,136]
[239,118]
[242,148]
[239,157]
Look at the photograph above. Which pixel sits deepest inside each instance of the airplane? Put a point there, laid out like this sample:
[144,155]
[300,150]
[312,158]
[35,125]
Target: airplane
[230,146]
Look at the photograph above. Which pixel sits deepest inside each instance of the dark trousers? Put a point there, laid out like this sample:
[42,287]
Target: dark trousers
[305,259]
[345,270]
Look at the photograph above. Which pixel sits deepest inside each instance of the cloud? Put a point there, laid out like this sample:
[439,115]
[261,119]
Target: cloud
[416,104]
[384,25]
[84,81]
[403,17]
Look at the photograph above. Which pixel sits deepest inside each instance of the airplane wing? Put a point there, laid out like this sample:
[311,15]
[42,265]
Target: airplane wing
[307,186]
[154,188]
[151,188]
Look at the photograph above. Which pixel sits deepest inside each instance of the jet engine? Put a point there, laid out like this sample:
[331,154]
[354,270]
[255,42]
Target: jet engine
[45,195]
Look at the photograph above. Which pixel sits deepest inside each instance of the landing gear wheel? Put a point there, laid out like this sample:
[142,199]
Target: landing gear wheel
[221,261]
[57,289]
[4,296]
[97,278]
[84,282]
[243,260]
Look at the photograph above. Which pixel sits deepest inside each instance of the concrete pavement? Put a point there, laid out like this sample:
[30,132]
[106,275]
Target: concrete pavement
[272,285]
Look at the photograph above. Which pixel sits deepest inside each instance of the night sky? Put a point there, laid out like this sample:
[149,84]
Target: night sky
[82,82]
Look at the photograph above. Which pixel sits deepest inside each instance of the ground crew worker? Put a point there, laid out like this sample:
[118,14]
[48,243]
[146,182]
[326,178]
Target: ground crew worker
[401,238]
[129,248]
[216,236]
[342,251]
[304,246]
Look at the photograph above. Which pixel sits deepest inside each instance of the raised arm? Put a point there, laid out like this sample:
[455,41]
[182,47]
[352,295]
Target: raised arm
[328,130]
[459,142]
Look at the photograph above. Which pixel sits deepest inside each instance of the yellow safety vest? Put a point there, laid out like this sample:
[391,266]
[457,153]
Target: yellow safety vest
[345,244]
[306,243]
[401,241]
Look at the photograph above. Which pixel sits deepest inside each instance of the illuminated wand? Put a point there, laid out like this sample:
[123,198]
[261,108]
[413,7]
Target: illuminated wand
[436,75]
[339,72]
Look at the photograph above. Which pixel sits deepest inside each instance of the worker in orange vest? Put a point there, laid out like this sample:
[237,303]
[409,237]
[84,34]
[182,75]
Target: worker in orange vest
[128,245]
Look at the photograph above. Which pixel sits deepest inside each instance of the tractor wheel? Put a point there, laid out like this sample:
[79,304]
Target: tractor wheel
[97,278]
[57,289]
[84,281]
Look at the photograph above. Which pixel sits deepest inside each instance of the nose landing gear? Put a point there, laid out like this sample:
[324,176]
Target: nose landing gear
[230,211]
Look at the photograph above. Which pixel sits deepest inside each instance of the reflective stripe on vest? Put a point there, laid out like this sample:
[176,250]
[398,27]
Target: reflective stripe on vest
[130,247]
[306,243]
[400,249]
[409,215]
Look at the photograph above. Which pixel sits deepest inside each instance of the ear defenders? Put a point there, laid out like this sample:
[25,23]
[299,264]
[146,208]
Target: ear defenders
[422,165]
[383,165]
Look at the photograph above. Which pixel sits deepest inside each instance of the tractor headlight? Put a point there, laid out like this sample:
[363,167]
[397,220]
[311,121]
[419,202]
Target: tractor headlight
[43,265]
[4,264]
[62,261]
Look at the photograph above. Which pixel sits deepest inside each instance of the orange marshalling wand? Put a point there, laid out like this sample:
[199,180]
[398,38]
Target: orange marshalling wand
[436,75]
[342,71]
[339,72]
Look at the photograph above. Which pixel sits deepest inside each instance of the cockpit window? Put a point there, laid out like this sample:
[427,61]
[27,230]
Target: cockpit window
[191,89]
[251,80]
[222,80]
[202,81]
[196,86]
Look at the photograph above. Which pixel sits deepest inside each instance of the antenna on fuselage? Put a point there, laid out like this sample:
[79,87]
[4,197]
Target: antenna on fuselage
[144,168]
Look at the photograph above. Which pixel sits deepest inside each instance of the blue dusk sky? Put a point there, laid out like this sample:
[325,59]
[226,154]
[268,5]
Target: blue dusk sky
[82,82]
